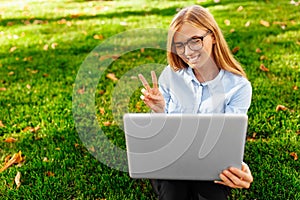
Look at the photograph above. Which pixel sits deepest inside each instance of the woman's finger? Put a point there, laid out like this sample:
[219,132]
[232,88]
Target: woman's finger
[243,174]
[154,80]
[144,81]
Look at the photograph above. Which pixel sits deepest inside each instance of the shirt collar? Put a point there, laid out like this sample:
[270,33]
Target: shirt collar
[190,76]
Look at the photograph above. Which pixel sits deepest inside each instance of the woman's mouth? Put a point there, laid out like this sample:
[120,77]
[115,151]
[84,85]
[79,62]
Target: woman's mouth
[193,59]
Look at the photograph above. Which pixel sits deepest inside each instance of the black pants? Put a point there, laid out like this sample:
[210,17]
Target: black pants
[189,190]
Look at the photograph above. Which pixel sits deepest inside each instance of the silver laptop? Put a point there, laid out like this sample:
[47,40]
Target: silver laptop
[184,146]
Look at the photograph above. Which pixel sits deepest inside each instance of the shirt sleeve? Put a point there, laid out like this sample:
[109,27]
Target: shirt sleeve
[241,99]
[164,89]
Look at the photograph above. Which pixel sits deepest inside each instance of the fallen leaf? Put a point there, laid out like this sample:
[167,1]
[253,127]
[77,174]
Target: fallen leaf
[17,179]
[227,22]
[294,155]
[16,159]
[76,145]
[10,23]
[12,49]
[247,24]
[34,71]
[235,49]
[232,30]
[45,159]
[281,24]
[98,37]
[69,23]
[54,45]
[1,124]
[112,76]
[101,92]
[7,158]
[114,57]
[281,107]
[263,57]
[49,174]
[75,15]
[108,123]
[142,50]
[295,87]
[31,129]
[2,89]
[62,21]
[102,111]
[81,90]
[11,73]
[27,58]
[10,140]
[240,8]
[258,50]
[264,23]
[263,68]
[92,149]
[46,46]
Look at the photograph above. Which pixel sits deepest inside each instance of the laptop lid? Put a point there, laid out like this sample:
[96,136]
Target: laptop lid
[183,146]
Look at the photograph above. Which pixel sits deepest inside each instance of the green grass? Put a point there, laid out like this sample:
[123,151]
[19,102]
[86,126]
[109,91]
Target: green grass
[39,91]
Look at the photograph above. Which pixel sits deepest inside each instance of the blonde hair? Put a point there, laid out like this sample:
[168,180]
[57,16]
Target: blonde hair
[202,18]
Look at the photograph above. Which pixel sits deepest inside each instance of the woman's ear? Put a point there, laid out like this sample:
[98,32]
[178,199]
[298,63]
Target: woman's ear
[213,39]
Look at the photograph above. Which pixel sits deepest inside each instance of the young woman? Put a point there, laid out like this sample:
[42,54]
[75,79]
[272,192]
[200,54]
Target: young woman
[202,77]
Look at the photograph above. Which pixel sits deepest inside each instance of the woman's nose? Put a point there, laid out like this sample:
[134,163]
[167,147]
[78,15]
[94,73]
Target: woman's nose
[188,51]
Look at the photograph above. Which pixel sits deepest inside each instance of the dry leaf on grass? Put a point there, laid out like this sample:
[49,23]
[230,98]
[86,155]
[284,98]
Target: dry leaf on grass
[240,8]
[112,76]
[247,24]
[258,50]
[263,68]
[10,140]
[294,155]
[1,124]
[107,123]
[49,174]
[227,22]
[295,87]
[280,107]
[264,23]
[31,129]
[235,49]
[46,47]
[12,49]
[17,179]
[102,111]
[16,159]
[98,37]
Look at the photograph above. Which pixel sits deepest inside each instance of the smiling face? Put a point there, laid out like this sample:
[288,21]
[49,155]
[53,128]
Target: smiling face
[194,45]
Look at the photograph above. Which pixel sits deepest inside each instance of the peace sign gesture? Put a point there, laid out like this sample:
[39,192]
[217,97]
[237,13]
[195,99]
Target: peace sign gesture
[152,97]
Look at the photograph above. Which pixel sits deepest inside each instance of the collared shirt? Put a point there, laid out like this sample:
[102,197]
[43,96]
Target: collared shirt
[183,93]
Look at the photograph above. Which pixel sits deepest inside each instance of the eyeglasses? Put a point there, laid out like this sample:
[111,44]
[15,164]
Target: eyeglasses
[194,43]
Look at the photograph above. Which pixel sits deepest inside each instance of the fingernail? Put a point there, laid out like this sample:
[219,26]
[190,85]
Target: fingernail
[142,97]
[143,90]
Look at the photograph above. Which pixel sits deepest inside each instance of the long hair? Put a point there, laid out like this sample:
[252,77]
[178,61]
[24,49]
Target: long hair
[202,18]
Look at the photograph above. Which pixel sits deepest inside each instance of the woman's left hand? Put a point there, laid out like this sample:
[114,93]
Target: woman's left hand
[236,178]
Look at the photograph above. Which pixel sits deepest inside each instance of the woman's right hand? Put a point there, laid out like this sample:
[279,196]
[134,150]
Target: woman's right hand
[152,97]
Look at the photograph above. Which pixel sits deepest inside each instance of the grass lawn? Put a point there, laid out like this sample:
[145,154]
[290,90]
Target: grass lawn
[43,47]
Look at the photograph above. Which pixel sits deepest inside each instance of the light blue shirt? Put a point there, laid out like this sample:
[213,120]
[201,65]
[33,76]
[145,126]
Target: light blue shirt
[183,93]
